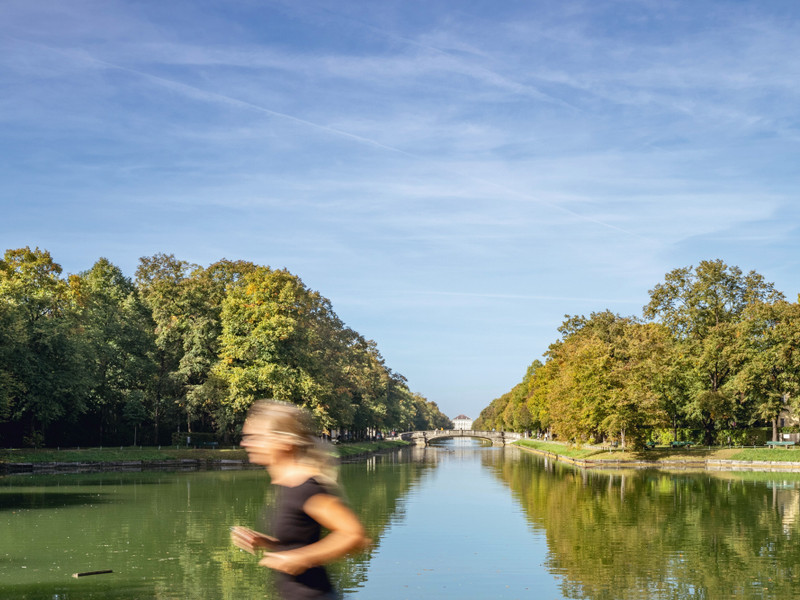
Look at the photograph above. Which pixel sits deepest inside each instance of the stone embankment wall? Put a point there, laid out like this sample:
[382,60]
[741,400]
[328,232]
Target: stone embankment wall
[684,464]
[45,468]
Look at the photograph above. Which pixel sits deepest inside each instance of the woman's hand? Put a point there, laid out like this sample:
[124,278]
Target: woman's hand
[289,562]
[252,541]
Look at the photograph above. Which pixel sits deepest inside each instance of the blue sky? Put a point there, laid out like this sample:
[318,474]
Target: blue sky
[455,176]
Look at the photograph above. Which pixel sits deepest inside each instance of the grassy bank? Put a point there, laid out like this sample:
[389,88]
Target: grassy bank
[357,448]
[666,454]
[116,454]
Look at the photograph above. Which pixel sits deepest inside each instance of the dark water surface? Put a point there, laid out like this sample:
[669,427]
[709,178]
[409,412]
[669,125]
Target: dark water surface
[458,520]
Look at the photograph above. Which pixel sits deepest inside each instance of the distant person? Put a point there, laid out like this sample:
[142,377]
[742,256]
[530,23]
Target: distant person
[281,437]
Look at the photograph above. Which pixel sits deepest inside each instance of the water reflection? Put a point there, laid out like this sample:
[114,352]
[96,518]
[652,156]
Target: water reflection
[652,534]
[456,520]
[376,490]
[165,535]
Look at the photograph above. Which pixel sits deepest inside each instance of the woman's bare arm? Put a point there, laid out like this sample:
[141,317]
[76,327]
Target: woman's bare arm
[250,540]
[346,535]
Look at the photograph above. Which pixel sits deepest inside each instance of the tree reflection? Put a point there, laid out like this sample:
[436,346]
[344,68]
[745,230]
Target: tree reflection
[653,534]
[375,490]
[169,538]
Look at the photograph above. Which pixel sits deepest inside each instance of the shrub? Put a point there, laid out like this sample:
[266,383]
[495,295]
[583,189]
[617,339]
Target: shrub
[34,440]
[179,438]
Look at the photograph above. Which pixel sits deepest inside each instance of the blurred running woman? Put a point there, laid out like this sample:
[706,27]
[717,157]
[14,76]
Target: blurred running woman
[282,438]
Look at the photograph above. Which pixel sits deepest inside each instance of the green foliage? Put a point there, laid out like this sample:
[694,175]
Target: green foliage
[722,357]
[34,440]
[769,375]
[281,340]
[118,339]
[427,416]
[43,357]
[512,411]
[702,308]
[96,358]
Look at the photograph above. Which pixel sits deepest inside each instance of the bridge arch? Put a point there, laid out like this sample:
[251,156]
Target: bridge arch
[423,438]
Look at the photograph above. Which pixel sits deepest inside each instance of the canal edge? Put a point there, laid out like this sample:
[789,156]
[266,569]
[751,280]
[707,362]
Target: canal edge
[184,464]
[706,464]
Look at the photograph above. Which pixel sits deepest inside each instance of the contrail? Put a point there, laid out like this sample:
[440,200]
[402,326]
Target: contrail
[206,95]
[196,92]
[493,76]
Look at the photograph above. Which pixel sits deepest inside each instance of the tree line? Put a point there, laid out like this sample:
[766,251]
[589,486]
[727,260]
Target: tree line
[715,352]
[98,358]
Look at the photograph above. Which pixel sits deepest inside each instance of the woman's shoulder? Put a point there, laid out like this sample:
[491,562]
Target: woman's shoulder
[308,483]
[317,484]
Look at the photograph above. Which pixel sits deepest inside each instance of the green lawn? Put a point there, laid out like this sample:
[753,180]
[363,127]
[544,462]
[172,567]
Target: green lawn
[781,454]
[27,455]
[347,450]
[566,450]
[357,448]
[153,453]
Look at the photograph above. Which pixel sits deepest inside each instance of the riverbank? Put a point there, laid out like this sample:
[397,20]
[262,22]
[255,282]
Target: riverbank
[752,459]
[141,458]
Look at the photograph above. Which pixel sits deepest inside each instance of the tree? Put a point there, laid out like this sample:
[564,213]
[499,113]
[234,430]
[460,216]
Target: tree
[605,379]
[586,396]
[275,339]
[44,368]
[199,326]
[516,415]
[769,336]
[159,279]
[542,388]
[640,391]
[400,404]
[428,416]
[662,371]
[119,342]
[701,308]
[491,417]
[12,340]
[186,303]
[105,356]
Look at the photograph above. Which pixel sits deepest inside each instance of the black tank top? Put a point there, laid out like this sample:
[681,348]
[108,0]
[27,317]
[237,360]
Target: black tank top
[294,528]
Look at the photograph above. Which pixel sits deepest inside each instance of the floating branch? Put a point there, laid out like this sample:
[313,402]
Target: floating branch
[92,573]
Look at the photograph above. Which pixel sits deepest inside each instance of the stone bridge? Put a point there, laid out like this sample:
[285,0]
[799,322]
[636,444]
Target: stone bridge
[423,438]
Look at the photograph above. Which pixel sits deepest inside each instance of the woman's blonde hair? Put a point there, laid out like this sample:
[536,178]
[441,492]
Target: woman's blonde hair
[295,426]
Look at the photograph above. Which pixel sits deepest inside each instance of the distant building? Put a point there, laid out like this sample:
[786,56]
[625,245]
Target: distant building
[462,422]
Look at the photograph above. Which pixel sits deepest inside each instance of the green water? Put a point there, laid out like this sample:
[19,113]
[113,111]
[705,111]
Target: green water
[454,521]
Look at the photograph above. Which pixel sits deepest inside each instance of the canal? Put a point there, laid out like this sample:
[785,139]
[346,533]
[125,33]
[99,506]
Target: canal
[458,520]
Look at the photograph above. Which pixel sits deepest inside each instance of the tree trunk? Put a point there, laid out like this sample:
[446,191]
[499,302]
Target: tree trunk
[775,430]
[708,425]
